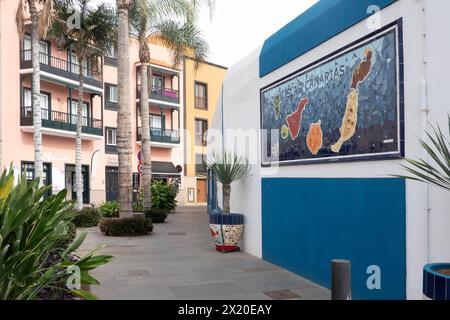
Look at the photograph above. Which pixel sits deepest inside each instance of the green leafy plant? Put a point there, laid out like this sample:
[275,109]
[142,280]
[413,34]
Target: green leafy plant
[157,215]
[109,209]
[87,218]
[227,168]
[31,229]
[437,173]
[164,196]
[127,227]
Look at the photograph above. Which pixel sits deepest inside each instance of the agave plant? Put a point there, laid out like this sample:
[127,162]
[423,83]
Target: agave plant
[31,229]
[438,150]
[227,168]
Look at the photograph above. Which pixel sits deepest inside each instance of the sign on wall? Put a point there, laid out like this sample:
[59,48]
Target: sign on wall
[347,106]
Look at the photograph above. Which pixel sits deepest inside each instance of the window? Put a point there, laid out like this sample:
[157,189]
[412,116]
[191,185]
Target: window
[27,169]
[111,52]
[201,96]
[157,84]
[111,137]
[200,164]
[28,103]
[111,57]
[201,127]
[155,122]
[111,96]
[84,112]
[75,65]
[43,50]
[111,140]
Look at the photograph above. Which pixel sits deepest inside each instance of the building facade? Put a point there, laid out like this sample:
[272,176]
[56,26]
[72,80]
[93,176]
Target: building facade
[202,86]
[59,83]
[321,186]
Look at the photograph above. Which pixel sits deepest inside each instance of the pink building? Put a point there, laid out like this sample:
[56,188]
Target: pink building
[59,83]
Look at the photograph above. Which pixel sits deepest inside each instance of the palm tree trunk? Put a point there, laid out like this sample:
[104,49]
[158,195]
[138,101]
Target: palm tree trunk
[146,138]
[78,160]
[36,88]
[226,190]
[124,135]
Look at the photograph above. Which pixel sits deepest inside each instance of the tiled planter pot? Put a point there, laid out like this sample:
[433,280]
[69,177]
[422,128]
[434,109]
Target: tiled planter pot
[226,231]
[436,286]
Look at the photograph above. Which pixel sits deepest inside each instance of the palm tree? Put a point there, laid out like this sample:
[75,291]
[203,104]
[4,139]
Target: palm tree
[174,23]
[89,41]
[439,150]
[124,135]
[41,20]
[227,168]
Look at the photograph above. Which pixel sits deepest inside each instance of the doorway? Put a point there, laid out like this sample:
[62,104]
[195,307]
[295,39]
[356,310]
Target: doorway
[70,182]
[112,184]
[201,190]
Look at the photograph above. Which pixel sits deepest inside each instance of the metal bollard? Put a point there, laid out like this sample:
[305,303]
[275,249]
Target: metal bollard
[341,280]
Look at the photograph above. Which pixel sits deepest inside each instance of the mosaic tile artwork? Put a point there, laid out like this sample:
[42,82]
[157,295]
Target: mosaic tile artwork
[347,107]
[226,235]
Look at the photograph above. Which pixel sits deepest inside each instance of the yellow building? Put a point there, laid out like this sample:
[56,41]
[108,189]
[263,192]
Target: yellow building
[202,90]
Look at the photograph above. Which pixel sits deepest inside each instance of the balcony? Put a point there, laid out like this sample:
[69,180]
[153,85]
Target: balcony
[160,137]
[61,124]
[161,94]
[62,68]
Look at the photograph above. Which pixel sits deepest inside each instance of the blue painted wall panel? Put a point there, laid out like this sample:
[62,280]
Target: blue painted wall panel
[321,22]
[308,222]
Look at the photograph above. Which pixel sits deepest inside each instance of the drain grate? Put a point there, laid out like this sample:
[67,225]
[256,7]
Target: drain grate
[282,294]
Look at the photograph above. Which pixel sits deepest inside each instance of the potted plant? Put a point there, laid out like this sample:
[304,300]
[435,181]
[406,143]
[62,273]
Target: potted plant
[436,276]
[226,227]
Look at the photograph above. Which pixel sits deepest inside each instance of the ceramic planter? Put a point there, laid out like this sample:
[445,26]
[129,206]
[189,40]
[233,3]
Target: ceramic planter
[436,286]
[226,231]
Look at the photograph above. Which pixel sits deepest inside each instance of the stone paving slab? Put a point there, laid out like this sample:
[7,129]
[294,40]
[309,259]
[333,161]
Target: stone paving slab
[178,261]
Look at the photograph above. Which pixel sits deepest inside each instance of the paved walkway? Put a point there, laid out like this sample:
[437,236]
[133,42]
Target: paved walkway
[178,261]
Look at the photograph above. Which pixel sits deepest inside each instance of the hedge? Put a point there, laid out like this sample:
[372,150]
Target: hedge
[128,227]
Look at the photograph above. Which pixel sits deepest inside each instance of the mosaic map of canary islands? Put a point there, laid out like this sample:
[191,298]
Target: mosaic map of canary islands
[346,107]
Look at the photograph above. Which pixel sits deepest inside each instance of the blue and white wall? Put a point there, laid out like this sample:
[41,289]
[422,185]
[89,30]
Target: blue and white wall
[301,216]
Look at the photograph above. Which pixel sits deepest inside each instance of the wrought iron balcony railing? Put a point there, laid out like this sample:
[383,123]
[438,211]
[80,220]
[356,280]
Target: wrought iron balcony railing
[62,68]
[61,121]
[161,136]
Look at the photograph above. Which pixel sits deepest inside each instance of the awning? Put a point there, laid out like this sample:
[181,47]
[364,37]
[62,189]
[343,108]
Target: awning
[321,22]
[164,169]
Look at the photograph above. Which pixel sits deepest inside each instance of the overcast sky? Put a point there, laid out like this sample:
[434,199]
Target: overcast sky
[240,26]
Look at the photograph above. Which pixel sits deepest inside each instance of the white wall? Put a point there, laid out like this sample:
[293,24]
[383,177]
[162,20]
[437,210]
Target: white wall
[242,111]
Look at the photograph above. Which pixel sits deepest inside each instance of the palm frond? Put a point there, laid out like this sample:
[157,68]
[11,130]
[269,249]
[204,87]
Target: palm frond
[95,35]
[45,17]
[182,39]
[210,4]
[436,172]
[170,10]
[21,17]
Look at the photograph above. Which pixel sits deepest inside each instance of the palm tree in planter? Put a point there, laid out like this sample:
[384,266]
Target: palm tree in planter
[227,228]
[40,14]
[437,275]
[174,24]
[89,38]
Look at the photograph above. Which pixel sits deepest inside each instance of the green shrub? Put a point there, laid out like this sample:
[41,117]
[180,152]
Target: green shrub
[157,215]
[109,209]
[32,229]
[128,227]
[163,196]
[87,218]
